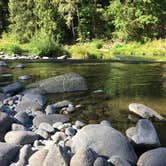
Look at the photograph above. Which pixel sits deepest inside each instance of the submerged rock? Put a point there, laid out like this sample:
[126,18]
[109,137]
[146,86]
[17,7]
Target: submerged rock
[3,64]
[144,111]
[63,83]
[156,157]
[144,134]
[105,141]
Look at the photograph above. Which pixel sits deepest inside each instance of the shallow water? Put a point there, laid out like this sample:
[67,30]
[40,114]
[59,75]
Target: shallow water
[122,84]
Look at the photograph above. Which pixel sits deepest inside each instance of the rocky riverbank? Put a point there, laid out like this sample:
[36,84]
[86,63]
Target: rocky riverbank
[34,133]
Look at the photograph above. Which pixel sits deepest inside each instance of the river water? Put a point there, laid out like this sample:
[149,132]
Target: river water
[121,83]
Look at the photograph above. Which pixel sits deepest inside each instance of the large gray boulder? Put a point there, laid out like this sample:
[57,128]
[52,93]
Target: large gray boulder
[144,134]
[21,137]
[156,157]
[105,141]
[144,111]
[12,88]
[50,119]
[69,82]
[7,153]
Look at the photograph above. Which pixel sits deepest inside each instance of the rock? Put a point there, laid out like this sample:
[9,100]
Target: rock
[20,66]
[70,131]
[100,161]
[46,126]
[62,57]
[83,157]
[105,123]
[21,137]
[57,125]
[35,97]
[51,119]
[18,127]
[5,124]
[28,106]
[118,161]
[98,91]
[90,136]
[12,88]
[23,118]
[48,143]
[79,124]
[60,159]
[144,111]
[156,157]
[3,64]
[7,75]
[63,83]
[7,153]
[24,77]
[50,110]
[70,108]
[38,157]
[42,133]
[58,136]
[62,104]
[144,134]
[25,153]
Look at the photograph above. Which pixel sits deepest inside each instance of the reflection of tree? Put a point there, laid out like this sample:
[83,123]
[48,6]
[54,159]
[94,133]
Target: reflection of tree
[135,80]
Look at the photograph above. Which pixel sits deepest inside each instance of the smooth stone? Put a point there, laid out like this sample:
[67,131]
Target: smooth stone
[79,124]
[25,153]
[70,131]
[42,133]
[144,111]
[62,57]
[91,135]
[50,110]
[100,161]
[70,108]
[58,136]
[51,119]
[35,97]
[38,157]
[7,153]
[12,88]
[21,137]
[23,118]
[144,134]
[24,77]
[28,106]
[69,82]
[62,104]
[20,66]
[18,127]
[57,125]
[83,157]
[118,161]
[3,64]
[105,123]
[46,126]
[48,143]
[60,159]
[6,75]
[156,157]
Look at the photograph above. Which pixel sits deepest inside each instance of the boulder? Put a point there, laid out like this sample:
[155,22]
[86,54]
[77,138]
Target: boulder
[105,141]
[156,157]
[21,137]
[144,111]
[38,157]
[50,119]
[12,88]
[83,157]
[144,134]
[60,159]
[69,82]
[7,153]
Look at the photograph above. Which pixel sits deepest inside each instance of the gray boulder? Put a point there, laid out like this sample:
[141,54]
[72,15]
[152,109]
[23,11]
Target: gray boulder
[105,141]
[156,157]
[50,119]
[144,111]
[12,88]
[21,137]
[144,134]
[38,157]
[63,83]
[7,153]
[83,157]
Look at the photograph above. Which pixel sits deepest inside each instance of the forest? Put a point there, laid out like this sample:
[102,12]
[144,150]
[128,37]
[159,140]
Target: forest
[71,26]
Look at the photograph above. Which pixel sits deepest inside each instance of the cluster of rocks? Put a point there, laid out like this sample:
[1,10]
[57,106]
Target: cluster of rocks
[35,134]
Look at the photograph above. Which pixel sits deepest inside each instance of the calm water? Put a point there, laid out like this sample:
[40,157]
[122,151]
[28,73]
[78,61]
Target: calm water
[122,84]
